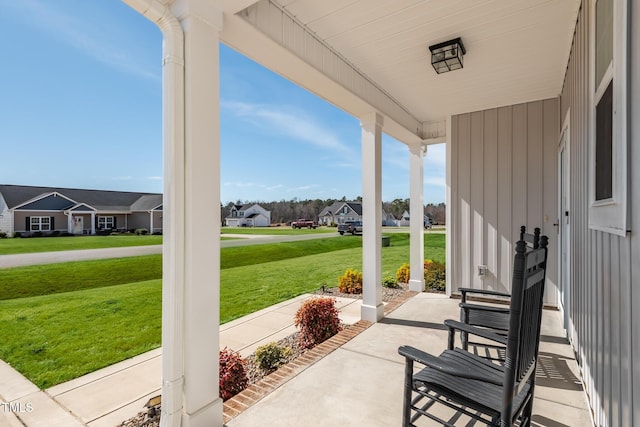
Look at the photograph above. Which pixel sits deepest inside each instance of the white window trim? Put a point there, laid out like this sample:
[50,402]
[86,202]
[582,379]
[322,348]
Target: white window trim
[104,221]
[39,223]
[611,215]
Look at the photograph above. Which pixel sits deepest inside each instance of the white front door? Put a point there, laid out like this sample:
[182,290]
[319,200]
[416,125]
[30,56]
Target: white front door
[78,225]
[564,224]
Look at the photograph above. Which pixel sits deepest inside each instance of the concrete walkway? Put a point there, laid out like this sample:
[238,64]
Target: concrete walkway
[107,397]
[361,382]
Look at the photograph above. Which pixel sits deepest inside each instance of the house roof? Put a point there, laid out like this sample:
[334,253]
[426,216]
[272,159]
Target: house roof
[102,200]
[147,202]
[337,206]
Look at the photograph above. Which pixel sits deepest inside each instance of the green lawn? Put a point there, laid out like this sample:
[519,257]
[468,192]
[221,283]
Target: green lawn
[276,231]
[54,338]
[57,337]
[51,244]
[35,280]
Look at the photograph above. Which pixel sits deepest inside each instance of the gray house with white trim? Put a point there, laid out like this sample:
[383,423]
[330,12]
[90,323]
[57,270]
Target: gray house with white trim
[44,210]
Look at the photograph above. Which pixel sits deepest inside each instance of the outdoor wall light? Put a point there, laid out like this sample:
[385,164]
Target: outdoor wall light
[447,56]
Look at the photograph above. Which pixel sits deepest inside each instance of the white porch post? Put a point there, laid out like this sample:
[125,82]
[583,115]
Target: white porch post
[372,308]
[70,222]
[416,224]
[93,222]
[193,184]
[150,222]
[191,249]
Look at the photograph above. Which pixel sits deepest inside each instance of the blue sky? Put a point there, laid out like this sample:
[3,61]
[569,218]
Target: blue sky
[80,106]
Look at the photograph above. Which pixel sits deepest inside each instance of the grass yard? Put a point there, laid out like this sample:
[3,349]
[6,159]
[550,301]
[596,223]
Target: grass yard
[277,231]
[54,338]
[36,280]
[52,244]
[57,337]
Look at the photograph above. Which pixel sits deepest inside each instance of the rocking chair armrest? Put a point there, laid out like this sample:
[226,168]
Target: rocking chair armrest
[467,306]
[454,325]
[412,354]
[465,291]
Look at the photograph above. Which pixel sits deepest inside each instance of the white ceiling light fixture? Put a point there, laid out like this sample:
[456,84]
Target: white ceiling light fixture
[447,56]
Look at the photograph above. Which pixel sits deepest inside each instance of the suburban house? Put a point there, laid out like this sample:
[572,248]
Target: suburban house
[404,219]
[339,212]
[248,216]
[538,103]
[46,210]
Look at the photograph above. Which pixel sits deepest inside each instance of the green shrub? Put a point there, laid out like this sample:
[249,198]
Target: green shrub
[403,274]
[390,282]
[141,231]
[350,282]
[17,234]
[435,277]
[269,356]
[37,234]
[318,320]
[233,373]
[3,235]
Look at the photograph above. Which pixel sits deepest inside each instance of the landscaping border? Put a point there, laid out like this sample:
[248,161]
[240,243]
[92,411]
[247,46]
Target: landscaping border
[255,392]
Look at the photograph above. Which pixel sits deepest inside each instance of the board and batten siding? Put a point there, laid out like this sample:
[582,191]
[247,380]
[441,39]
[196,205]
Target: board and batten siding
[503,176]
[603,326]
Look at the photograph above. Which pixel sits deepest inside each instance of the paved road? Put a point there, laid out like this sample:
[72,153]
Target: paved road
[19,260]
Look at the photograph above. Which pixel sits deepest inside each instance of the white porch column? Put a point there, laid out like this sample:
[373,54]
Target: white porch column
[372,308]
[192,180]
[93,223]
[70,222]
[191,249]
[416,207]
[151,222]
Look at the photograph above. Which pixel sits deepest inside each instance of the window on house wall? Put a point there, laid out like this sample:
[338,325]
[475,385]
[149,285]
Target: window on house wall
[40,223]
[604,100]
[105,222]
[608,177]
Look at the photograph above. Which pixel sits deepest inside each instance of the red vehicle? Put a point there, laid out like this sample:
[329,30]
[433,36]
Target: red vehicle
[304,223]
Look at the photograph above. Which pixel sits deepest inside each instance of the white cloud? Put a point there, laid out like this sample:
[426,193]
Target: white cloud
[288,121]
[154,178]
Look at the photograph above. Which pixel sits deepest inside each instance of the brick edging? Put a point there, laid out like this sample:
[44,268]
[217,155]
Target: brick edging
[255,392]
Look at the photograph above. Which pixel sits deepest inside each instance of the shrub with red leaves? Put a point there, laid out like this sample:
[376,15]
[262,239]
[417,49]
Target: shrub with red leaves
[318,320]
[233,373]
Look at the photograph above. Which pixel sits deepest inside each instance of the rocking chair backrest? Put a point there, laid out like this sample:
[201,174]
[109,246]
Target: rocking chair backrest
[525,317]
[532,239]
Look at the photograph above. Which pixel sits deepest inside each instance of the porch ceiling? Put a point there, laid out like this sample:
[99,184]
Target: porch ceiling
[517,50]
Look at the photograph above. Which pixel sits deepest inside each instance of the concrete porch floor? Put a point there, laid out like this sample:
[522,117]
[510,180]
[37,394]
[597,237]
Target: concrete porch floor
[360,383]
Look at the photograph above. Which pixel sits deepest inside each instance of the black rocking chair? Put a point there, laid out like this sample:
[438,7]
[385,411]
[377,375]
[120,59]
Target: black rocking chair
[492,317]
[496,395]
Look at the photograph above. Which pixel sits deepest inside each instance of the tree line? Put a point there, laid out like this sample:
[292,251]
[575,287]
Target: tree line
[285,211]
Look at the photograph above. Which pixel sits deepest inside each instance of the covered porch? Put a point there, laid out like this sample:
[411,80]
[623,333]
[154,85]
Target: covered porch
[361,382]
[506,118]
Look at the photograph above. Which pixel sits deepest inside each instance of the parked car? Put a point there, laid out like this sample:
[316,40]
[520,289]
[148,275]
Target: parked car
[353,227]
[428,225]
[304,223]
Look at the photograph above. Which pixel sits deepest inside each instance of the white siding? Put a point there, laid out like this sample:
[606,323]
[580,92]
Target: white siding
[603,324]
[504,175]
[6,217]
